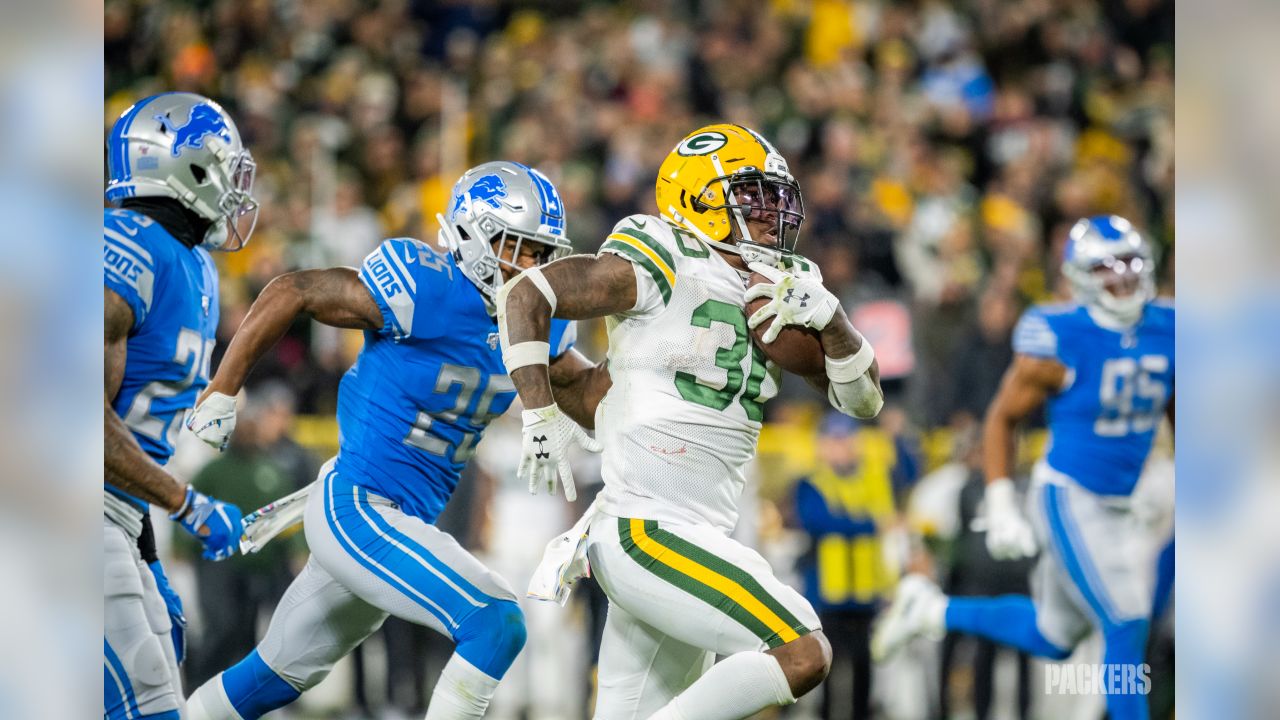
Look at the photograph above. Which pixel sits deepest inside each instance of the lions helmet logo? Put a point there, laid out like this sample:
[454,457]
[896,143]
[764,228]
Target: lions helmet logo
[703,143]
[487,189]
[203,122]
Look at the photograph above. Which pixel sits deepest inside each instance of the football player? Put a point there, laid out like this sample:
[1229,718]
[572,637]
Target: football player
[410,413]
[680,423]
[182,180]
[1104,366]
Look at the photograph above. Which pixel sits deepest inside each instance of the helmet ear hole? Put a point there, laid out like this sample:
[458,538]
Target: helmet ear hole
[199,173]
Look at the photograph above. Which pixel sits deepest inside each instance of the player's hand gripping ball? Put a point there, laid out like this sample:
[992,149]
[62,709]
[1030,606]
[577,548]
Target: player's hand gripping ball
[786,314]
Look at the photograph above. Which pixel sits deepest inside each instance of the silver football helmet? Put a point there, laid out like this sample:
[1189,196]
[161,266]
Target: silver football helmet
[184,146]
[1111,267]
[495,209]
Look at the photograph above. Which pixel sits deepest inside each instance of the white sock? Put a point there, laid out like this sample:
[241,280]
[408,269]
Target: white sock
[734,688]
[210,702]
[462,693]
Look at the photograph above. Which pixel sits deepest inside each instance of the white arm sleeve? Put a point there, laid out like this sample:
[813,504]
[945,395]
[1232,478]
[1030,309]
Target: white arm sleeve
[860,398]
[851,389]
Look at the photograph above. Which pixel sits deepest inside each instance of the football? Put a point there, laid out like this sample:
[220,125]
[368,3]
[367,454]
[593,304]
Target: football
[796,349]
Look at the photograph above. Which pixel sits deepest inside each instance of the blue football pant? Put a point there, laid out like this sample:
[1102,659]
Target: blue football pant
[1097,569]
[368,560]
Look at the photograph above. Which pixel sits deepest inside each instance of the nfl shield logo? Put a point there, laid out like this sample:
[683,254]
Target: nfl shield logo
[493,341]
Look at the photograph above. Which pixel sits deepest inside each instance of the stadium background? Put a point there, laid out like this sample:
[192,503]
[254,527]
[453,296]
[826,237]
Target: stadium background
[943,148]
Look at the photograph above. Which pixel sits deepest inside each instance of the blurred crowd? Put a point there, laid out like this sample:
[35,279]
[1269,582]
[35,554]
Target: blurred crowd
[943,148]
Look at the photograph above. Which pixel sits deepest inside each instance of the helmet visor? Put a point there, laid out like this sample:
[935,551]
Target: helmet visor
[771,208]
[1121,276]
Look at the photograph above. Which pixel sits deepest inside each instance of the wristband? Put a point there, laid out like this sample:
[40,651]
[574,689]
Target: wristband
[186,504]
[848,369]
[531,352]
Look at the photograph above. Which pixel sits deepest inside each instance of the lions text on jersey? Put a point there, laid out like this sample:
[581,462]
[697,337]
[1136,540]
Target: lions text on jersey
[415,404]
[1103,422]
[173,292]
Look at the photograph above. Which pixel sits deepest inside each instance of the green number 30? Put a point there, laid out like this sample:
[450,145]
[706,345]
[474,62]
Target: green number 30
[730,360]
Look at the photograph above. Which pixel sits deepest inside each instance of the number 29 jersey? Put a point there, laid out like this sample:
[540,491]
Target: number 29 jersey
[425,386]
[681,420]
[1103,422]
[173,292]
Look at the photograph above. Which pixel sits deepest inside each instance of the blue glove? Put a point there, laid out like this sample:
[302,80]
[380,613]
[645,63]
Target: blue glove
[215,523]
[173,603]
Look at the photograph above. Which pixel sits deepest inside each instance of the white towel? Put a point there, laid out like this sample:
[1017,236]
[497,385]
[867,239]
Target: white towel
[268,521]
[564,562]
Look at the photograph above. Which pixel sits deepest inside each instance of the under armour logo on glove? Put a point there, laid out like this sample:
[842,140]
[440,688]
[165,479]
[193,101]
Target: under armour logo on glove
[544,445]
[791,296]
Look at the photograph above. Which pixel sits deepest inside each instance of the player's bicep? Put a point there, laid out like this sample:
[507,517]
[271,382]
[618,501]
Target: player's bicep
[590,287]
[117,322]
[337,297]
[1027,384]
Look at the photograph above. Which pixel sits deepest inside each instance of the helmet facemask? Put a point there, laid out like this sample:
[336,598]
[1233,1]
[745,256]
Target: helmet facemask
[765,213]
[237,207]
[501,246]
[1119,286]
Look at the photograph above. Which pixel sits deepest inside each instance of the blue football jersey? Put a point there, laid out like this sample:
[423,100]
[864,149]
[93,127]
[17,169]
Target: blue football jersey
[415,404]
[1102,424]
[173,291]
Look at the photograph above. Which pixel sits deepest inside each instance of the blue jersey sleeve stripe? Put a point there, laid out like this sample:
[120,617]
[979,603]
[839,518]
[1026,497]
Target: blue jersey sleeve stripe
[397,264]
[132,280]
[1034,336]
[389,319]
[126,245]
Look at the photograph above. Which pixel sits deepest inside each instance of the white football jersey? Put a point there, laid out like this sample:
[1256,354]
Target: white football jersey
[682,418]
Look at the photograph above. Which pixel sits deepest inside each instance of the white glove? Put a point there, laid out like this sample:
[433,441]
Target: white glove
[794,300]
[214,420]
[1009,535]
[544,449]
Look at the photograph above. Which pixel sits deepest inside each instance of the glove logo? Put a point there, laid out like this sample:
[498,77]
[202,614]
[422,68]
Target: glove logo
[791,297]
[542,453]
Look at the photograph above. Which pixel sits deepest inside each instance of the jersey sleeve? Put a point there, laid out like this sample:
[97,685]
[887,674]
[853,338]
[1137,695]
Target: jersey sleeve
[564,333]
[1034,335]
[129,269]
[408,280]
[641,239]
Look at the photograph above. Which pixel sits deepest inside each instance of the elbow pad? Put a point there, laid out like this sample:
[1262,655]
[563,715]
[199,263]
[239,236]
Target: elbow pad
[860,398]
[851,389]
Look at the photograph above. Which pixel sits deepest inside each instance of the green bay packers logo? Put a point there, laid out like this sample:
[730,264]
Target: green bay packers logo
[704,143]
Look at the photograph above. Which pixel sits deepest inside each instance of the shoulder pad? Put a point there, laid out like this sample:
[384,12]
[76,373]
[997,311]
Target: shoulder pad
[650,243]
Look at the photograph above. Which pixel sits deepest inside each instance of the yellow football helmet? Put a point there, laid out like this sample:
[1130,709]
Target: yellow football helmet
[723,179]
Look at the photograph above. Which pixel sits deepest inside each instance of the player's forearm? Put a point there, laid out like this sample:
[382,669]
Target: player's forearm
[526,318]
[126,467]
[580,394]
[998,444]
[839,338]
[852,375]
[269,318]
